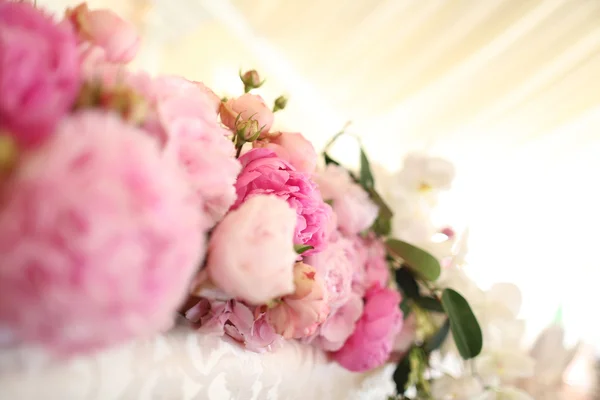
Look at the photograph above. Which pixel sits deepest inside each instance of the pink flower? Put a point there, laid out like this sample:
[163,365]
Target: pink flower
[340,324]
[247,107]
[245,324]
[183,120]
[264,173]
[406,337]
[300,314]
[293,148]
[105,29]
[195,138]
[369,262]
[251,252]
[371,343]
[352,205]
[39,72]
[335,264]
[98,238]
[213,99]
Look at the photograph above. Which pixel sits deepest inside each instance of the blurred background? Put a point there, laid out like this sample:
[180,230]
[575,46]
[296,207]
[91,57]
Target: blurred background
[508,90]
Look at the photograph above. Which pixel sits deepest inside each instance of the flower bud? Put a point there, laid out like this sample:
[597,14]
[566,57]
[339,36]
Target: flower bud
[251,80]
[280,103]
[247,131]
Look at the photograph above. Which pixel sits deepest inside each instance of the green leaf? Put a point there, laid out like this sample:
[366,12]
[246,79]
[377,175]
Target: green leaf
[329,160]
[330,202]
[407,283]
[421,262]
[401,374]
[465,328]
[384,210]
[382,226]
[300,248]
[434,342]
[429,304]
[366,176]
[405,307]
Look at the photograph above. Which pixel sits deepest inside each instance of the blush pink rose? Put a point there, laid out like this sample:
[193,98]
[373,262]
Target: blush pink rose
[293,148]
[371,343]
[355,210]
[251,252]
[340,324]
[99,240]
[265,173]
[299,315]
[335,264]
[247,107]
[104,29]
[39,72]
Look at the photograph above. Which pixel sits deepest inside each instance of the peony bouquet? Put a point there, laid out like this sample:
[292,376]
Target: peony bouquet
[126,199]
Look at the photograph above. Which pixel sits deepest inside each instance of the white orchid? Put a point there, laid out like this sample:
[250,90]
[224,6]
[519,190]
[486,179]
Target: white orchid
[422,173]
[450,388]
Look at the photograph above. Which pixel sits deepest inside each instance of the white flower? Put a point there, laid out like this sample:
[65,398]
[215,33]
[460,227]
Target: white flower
[450,388]
[501,365]
[505,393]
[424,174]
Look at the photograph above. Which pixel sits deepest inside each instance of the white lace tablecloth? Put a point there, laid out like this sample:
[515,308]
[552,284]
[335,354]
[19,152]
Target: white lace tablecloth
[186,365]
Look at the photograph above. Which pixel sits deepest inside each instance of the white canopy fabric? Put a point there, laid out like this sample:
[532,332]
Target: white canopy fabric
[509,90]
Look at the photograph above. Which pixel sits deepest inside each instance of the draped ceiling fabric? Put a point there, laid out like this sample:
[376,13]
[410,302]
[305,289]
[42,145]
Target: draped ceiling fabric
[509,90]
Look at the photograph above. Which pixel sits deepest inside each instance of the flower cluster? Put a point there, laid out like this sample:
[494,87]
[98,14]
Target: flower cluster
[125,198]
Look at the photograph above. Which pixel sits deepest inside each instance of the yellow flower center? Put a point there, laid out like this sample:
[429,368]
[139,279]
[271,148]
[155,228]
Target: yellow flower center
[424,187]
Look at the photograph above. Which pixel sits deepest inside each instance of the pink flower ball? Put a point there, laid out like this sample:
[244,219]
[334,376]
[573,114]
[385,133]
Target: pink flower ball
[265,173]
[98,238]
[245,324]
[293,148]
[104,29]
[39,72]
[251,252]
[355,210]
[247,107]
[371,343]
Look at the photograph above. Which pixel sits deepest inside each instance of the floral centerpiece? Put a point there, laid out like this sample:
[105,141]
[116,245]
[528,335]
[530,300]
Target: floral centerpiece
[126,199]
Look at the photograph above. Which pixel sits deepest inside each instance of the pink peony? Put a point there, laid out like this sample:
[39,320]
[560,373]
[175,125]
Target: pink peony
[264,173]
[244,324]
[293,148]
[335,264]
[39,72]
[406,337]
[247,107]
[340,324]
[370,265]
[371,343]
[98,238]
[352,205]
[183,120]
[194,136]
[251,252]
[300,314]
[104,29]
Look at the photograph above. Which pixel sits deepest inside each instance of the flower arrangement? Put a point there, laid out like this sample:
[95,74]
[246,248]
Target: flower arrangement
[126,198]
